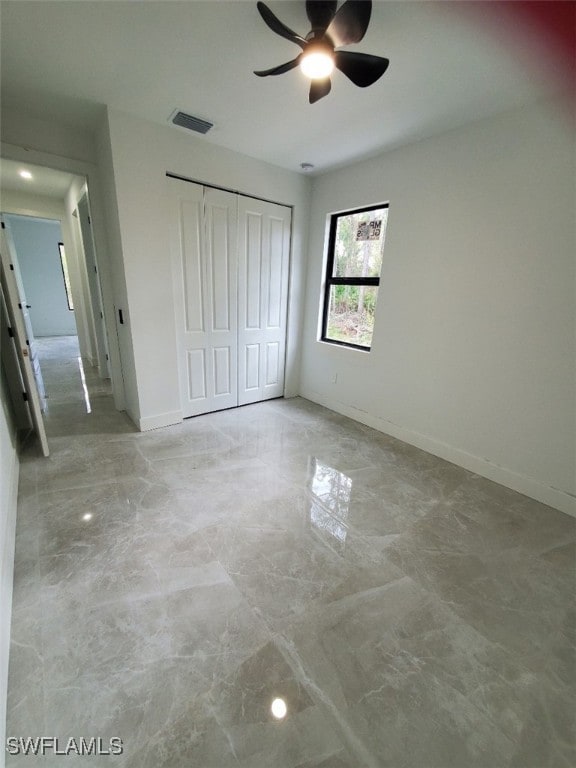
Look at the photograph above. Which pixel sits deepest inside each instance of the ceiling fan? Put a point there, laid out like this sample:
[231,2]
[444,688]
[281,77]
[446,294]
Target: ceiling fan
[331,29]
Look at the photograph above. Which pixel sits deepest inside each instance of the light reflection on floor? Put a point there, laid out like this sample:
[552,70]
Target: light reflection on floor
[79,400]
[84,387]
[329,493]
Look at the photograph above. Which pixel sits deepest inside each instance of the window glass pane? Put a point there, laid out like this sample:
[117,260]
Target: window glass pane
[66,275]
[359,243]
[351,314]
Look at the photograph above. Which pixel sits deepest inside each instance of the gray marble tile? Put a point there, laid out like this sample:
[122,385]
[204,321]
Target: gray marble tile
[546,739]
[407,673]
[25,704]
[75,463]
[170,585]
[507,520]
[497,587]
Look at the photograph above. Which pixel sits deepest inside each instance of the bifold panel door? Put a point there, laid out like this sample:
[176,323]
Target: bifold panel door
[203,247]
[230,265]
[263,250]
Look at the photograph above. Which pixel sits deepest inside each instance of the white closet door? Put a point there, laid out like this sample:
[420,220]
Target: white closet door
[203,247]
[263,255]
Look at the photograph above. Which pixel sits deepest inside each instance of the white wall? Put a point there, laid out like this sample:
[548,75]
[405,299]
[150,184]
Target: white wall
[60,140]
[473,350]
[117,280]
[141,154]
[9,469]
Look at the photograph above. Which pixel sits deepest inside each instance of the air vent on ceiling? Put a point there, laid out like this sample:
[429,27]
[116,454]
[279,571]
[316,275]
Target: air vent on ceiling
[190,122]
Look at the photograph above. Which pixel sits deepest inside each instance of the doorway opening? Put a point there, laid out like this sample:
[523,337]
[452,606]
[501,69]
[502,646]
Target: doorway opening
[49,283]
[50,233]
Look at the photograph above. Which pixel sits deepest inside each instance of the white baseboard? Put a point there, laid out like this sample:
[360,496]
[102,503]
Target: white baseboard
[553,497]
[161,420]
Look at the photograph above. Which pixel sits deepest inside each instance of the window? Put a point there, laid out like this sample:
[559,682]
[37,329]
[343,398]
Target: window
[65,275]
[355,248]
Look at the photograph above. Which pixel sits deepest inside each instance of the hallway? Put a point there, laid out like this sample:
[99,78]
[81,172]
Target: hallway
[74,391]
[170,585]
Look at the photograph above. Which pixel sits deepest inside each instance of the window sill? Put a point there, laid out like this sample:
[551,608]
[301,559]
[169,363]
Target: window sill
[343,345]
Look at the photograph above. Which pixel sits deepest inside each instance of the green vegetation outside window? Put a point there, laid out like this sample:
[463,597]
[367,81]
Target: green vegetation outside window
[355,250]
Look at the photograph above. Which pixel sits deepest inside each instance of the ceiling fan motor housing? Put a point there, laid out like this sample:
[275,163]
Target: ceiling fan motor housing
[321,44]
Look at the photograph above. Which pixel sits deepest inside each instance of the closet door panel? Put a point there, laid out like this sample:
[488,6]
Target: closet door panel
[263,256]
[272,365]
[190,264]
[197,386]
[276,306]
[251,279]
[252,370]
[222,367]
[230,259]
[204,260]
[221,251]
[220,209]
[189,279]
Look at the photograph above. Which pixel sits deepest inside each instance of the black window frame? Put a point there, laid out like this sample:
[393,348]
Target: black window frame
[330,280]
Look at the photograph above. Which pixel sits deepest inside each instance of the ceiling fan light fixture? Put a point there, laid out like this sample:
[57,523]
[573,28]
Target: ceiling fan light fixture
[317,64]
[332,28]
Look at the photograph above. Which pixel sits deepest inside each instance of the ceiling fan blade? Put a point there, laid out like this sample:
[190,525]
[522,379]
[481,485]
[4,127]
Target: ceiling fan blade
[277,26]
[362,68]
[319,89]
[350,23]
[280,69]
[320,13]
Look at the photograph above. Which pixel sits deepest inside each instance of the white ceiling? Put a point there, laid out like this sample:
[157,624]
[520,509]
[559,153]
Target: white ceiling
[65,60]
[44,181]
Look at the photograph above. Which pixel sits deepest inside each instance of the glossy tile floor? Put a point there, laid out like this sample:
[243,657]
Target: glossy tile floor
[171,585]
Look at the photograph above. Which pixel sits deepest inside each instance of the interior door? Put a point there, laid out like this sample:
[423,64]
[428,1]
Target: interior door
[263,257]
[23,306]
[204,255]
[11,364]
[96,304]
[16,319]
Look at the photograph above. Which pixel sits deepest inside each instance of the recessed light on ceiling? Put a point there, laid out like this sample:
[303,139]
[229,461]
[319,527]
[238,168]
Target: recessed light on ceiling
[25,174]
